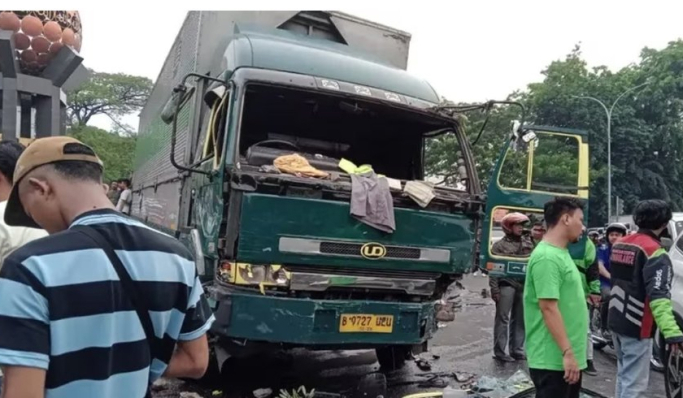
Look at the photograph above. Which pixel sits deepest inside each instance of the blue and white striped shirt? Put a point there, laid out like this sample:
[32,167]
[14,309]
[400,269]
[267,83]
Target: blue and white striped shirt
[62,308]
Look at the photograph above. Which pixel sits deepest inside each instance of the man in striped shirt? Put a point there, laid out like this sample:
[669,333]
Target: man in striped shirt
[68,325]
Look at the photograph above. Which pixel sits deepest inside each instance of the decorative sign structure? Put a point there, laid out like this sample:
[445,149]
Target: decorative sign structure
[40,35]
[38,56]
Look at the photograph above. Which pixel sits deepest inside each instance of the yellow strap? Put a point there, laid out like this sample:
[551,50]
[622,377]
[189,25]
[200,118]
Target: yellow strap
[350,168]
[347,166]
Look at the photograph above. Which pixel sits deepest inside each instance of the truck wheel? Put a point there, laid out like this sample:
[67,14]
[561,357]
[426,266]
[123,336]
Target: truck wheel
[392,357]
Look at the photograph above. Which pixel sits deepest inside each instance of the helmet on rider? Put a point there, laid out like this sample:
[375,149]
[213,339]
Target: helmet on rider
[615,231]
[510,220]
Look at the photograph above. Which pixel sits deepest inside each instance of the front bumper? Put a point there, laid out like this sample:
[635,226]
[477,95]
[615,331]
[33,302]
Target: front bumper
[306,322]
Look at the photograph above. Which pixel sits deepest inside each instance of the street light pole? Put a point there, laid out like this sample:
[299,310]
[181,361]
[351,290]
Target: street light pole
[608,112]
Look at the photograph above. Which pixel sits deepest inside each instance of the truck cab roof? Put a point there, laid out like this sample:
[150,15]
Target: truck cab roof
[289,52]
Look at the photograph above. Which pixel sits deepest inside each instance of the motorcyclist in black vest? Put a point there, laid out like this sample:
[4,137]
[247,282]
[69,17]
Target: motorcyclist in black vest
[641,274]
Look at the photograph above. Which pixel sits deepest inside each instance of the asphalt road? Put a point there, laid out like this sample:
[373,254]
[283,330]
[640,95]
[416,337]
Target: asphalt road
[463,346]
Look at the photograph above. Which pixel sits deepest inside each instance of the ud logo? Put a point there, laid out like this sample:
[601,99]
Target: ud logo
[373,251]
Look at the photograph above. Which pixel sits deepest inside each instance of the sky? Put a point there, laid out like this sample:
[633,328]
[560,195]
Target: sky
[468,50]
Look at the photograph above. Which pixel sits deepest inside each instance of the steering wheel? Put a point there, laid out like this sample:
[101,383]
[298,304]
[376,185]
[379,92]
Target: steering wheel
[276,142]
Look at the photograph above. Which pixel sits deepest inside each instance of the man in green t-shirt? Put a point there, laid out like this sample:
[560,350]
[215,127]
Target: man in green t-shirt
[555,311]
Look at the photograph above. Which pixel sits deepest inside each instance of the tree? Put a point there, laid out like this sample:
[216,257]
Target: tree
[111,94]
[442,151]
[647,129]
[115,151]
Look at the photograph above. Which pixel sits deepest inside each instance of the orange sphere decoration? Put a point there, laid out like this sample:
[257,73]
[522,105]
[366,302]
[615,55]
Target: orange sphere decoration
[55,47]
[68,37]
[31,25]
[52,31]
[44,58]
[40,44]
[29,56]
[21,41]
[40,35]
[9,21]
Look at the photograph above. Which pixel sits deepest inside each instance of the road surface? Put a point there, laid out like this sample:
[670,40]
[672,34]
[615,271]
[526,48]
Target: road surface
[461,346]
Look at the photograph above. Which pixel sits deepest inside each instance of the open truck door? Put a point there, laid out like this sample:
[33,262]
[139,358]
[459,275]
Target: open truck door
[537,164]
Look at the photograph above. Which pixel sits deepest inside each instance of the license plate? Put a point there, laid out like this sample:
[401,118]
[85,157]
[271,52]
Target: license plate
[366,323]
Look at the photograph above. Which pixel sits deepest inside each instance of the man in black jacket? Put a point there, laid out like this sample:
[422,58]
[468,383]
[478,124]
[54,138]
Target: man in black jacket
[641,272]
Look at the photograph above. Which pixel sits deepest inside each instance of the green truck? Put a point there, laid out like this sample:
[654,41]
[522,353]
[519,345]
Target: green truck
[283,262]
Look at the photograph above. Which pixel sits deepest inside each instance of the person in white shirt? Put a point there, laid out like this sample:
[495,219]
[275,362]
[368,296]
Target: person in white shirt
[11,238]
[126,197]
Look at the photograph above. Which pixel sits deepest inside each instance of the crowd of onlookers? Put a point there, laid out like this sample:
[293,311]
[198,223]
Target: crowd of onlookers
[120,195]
[545,318]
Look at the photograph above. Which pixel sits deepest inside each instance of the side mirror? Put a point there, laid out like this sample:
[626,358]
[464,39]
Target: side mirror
[178,98]
[522,137]
[667,243]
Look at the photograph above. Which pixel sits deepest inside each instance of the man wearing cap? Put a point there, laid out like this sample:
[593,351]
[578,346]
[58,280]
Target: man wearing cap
[11,237]
[104,305]
[507,292]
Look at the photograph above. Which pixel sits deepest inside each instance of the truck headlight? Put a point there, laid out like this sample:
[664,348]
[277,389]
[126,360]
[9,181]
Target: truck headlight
[254,275]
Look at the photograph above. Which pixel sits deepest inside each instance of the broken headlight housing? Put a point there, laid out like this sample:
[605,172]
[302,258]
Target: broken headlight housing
[244,274]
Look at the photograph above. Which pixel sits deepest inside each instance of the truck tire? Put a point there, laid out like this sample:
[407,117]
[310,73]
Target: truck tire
[392,357]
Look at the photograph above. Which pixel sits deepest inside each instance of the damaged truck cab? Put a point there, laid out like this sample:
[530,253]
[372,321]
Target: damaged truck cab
[282,259]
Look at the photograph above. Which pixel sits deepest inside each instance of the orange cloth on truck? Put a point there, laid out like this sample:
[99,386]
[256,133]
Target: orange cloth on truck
[297,165]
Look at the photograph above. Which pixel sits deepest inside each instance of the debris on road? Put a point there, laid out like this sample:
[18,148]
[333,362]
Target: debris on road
[437,380]
[423,364]
[494,387]
[190,395]
[263,393]
[300,392]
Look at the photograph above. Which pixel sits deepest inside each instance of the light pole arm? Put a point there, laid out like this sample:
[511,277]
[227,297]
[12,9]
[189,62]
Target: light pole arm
[630,90]
[608,112]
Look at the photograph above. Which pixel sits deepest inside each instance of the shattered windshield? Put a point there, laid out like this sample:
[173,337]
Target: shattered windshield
[324,129]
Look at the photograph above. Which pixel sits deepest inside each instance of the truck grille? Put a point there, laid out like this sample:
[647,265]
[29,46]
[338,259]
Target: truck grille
[354,249]
[362,272]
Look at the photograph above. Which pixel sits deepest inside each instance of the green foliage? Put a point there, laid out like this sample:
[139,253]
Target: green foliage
[115,151]
[647,130]
[111,94]
[300,392]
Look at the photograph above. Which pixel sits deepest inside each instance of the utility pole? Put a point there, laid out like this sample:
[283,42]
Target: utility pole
[608,112]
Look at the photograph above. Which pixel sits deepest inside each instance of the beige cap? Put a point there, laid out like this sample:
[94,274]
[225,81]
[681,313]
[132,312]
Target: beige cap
[39,153]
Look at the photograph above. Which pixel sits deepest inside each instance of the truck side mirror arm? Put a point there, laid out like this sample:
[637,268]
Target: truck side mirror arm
[179,98]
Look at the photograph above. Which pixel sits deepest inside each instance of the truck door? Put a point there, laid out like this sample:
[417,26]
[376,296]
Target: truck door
[548,162]
[207,201]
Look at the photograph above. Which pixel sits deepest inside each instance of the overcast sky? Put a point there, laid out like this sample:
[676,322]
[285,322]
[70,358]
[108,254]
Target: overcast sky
[469,51]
